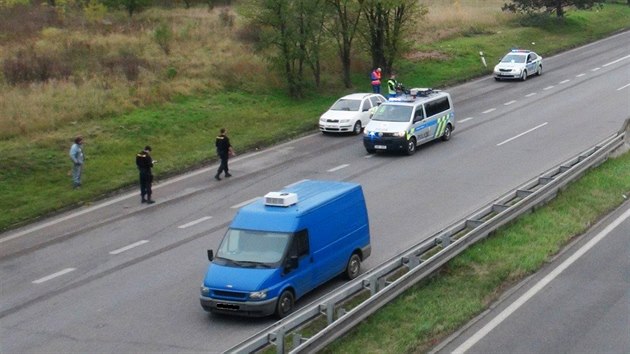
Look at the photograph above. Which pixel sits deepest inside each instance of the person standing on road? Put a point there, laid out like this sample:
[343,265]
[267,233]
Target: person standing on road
[145,163]
[376,80]
[392,86]
[76,155]
[224,150]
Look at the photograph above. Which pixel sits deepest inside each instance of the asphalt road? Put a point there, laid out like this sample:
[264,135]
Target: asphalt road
[580,303]
[119,276]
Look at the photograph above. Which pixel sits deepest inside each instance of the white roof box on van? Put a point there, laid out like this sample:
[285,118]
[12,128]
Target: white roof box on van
[282,199]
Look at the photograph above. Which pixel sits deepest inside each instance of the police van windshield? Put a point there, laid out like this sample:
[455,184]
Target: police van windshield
[513,58]
[390,113]
[248,248]
[346,105]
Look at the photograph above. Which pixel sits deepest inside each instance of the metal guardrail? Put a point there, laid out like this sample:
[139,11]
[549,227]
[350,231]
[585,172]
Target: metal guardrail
[375,288]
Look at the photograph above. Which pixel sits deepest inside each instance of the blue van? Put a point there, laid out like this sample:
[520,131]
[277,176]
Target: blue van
[284,245]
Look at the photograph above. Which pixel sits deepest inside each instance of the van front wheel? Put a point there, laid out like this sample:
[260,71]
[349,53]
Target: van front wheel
[285,304]
[411,146]
[354,267]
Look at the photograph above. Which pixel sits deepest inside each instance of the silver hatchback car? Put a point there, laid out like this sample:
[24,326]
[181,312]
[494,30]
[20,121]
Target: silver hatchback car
[518,64]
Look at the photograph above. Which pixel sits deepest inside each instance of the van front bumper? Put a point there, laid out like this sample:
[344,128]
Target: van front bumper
[240,308]
[384,143]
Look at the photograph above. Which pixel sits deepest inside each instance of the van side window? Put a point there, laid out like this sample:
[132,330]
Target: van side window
[300,243]
[419,114]
[438,106]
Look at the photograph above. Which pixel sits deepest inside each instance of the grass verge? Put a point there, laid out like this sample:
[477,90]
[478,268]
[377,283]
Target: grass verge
[430,311]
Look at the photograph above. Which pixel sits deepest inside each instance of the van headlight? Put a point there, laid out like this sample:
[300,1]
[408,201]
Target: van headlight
[258,295]
[205,291]
[399,134]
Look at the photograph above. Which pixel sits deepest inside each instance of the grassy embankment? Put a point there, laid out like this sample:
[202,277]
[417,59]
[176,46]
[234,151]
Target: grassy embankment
[206,83]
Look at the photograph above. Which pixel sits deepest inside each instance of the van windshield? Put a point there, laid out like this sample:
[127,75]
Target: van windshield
[248,248]
[389,113]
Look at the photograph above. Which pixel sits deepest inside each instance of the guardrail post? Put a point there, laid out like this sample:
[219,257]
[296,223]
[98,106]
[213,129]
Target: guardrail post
[445,240]
[297,340]
[330,312]
[280,341]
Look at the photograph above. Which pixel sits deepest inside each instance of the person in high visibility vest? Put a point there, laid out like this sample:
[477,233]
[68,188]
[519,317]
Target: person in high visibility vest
[392,85]
[376,80]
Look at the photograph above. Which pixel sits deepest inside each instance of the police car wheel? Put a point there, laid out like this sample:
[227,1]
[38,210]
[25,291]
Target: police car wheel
[356,130]
[524,75]
[354,267]
[539,70]
[411,146]
[285,304]
[447,133]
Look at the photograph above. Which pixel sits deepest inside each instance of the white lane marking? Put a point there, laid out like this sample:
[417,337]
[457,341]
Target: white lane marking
[623,87]
[368,156]
[548,88]
[539,286]
[338,167]
[285,146]
[128,247]
[244,203]
[616,61]
[194,222]
[564,81]
[595,69]
[580,75]
[509,103]
[521,134]
[52,276]
[294,183]
[489,110]
[530,94]
[465,120]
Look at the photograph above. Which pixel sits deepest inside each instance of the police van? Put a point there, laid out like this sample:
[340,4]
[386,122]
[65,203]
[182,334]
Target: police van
[405,122]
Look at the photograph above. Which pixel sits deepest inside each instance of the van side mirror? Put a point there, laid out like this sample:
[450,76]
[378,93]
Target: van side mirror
[292,263]
[210,255]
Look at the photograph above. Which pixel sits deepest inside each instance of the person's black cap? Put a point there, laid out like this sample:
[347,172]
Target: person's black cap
[147,148]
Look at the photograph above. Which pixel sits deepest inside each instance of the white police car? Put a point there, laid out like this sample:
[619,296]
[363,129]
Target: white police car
[518,64]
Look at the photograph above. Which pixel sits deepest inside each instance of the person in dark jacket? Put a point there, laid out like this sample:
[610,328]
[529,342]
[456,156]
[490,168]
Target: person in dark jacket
[224,150]
[145,163]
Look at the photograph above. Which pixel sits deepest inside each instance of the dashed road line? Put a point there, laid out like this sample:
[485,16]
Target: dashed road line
[548,88]
[595,69]
[194,222]
[616,61]
[521,134]
[294,183]
[338,167]
[530,94]
[489,110]
[509,103]
[580,75]
[623,87]
[465,119]
[564,81]
[244,203]
[54,275]
[128,247]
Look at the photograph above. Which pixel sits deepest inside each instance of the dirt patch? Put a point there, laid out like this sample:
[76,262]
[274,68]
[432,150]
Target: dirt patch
[420,56]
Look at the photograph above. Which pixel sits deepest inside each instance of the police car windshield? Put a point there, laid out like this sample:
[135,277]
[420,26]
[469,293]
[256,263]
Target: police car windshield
[513,58]
[346,105]
[253,247]
[390,113]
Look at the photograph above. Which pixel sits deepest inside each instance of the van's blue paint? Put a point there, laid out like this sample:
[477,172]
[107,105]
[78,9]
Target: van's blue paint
[335,216]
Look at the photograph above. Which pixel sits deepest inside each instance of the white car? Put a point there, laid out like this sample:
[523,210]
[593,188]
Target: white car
[518,64]
[350,113]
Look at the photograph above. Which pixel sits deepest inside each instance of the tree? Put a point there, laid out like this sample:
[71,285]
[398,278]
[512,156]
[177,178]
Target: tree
[343,28]
[549,6]
[386,23]
[131,6]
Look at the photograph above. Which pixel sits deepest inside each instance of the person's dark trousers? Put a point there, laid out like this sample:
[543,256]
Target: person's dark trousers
[145,185]
[223,167]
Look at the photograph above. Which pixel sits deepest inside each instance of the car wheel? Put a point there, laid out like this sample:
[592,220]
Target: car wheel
[354,266]
[447,133]
[539,70]
[285,304]
[411,146]
[356,130]
[497,79]
[524,75]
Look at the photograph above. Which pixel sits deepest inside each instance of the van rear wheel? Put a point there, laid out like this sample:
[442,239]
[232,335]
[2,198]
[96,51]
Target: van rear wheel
[285,304]
[354,266]
[447,133]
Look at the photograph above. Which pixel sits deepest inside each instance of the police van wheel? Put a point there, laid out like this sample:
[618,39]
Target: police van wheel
[356,130]
[285,304]
[411,146]
[354,267]
[447,133]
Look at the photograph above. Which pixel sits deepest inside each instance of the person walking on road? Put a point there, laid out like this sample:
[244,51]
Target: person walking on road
[76,155]
[145,163]
[376,80]
[224,150]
